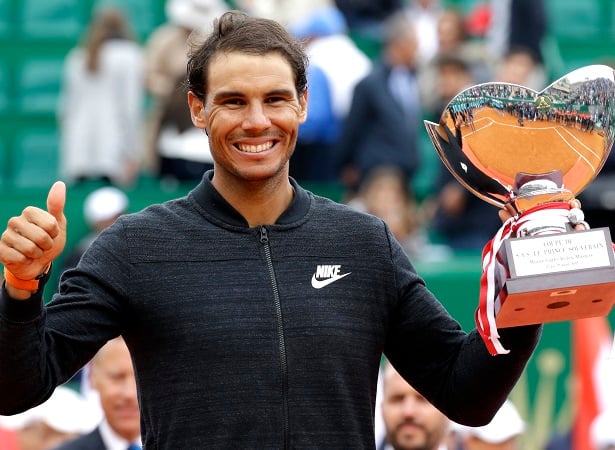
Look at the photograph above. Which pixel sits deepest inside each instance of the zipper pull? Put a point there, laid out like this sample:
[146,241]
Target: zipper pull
[264,236]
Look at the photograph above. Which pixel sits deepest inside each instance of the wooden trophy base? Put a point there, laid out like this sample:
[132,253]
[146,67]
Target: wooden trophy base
[557,277]
[557,297]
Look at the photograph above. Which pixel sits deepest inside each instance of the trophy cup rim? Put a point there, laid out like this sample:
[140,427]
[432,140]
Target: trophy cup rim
[464,154]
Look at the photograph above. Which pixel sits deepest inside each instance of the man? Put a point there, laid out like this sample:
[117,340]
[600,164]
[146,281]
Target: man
[256,313]
[411,422]
[112,376]
[382,126]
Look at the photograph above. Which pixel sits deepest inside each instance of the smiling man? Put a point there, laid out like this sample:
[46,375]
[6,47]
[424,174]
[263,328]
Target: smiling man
[411,422]
[112,376]
[256,312]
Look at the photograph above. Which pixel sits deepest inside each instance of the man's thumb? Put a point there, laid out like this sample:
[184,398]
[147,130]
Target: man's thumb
[56,200]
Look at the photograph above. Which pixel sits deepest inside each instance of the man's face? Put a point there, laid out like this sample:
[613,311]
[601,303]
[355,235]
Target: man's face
[412,423]
[252,114]
[113,377]
[451,80]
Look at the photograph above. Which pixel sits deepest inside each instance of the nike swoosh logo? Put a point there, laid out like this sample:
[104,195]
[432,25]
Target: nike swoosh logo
[319,284]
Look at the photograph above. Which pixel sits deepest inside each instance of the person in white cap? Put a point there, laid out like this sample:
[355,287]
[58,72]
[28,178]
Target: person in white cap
[101,208]
[166,51]
[167,46]
[504,432]
[63,416]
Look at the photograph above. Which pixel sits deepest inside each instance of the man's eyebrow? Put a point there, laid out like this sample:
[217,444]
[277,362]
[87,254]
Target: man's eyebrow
[232,94]
[281,92]
[227,94]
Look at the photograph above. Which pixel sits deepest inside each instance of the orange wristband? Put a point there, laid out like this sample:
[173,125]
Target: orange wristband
[26,285]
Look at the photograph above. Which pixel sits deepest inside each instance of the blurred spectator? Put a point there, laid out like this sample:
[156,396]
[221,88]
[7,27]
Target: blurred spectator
[112,376]
[313,158]
[504,432]
[366,21]
[174,148]
[517,23]
[102,103]
[385,194]
[65,415]
[167,47]
[100,209]
[182,150]
[461,220]
[336,66]
[283,11]
[424,16]
[329,47]
[452,40]
[453,74]
[519,66]
[385,115]
[411,422]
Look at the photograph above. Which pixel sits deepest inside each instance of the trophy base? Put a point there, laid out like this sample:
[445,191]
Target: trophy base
[557,297]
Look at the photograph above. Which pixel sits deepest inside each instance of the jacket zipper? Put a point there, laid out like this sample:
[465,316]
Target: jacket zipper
[264,238]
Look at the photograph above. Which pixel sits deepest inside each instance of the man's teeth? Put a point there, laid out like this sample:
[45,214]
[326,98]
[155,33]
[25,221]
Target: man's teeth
[255,148]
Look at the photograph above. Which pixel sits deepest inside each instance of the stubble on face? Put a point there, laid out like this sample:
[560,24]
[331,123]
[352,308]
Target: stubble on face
[252,115]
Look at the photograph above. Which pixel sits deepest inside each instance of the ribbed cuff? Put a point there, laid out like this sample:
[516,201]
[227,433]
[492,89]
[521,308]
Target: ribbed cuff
[20,310]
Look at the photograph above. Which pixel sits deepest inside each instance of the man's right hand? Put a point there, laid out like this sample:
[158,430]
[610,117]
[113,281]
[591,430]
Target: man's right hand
[34,239]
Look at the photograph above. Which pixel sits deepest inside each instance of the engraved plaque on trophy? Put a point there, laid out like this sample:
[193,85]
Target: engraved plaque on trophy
[533,152]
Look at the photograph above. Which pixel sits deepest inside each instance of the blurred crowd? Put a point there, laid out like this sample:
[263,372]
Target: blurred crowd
[377,70]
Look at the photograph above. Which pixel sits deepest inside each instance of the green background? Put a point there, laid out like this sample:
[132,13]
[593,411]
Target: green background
[35,36]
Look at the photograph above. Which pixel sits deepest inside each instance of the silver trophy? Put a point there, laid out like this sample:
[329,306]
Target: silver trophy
[525,150]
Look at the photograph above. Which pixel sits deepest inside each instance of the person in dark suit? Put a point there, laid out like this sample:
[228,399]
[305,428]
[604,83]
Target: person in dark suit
[382,126]
[111,374]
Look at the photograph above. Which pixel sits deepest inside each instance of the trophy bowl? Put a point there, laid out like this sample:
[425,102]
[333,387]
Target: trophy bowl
[514,147]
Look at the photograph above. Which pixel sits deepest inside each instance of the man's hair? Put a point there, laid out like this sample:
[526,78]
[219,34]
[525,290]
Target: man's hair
[236,31]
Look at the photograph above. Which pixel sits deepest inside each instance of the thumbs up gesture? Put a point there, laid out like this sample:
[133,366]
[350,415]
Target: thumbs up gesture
[36,237]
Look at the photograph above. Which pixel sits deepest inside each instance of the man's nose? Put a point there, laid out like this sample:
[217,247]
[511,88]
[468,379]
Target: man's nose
[256,117]
[409,406]
[128,388]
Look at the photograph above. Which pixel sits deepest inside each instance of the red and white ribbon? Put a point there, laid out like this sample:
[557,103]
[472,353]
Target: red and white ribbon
[547,218]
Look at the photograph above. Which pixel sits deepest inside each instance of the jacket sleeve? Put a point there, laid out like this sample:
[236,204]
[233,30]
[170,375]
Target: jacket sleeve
[44,346]
[451,368]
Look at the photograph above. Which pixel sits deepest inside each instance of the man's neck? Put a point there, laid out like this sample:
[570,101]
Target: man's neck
[260,203]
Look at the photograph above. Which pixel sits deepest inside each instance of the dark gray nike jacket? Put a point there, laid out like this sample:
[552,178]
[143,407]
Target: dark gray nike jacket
[254,338]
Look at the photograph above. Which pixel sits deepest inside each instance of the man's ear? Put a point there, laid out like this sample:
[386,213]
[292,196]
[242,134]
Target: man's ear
[197,111]
[93,378]
[303,103]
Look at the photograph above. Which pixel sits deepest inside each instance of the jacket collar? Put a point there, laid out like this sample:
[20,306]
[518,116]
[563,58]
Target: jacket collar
[211,201]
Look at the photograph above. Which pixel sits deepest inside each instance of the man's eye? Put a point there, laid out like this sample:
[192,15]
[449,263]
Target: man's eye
[275,99]
[233,101]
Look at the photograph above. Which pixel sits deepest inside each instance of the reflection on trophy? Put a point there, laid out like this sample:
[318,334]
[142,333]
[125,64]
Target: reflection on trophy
[533,153]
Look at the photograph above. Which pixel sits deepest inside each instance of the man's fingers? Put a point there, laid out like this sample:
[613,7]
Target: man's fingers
[56,199]
[34,222]
[27,237]
[504,215]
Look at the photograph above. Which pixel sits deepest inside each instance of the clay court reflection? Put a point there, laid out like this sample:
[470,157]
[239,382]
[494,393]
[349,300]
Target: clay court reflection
[508,143]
